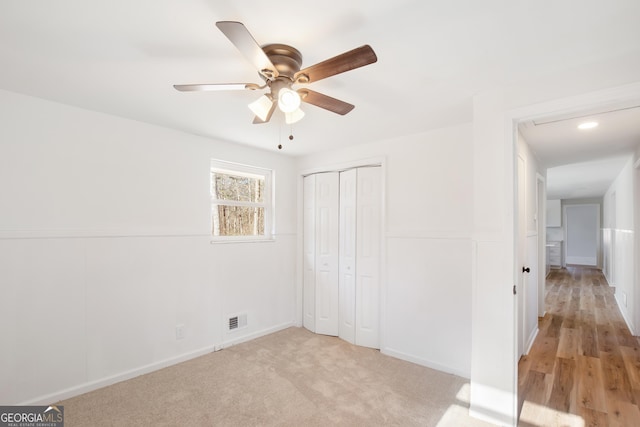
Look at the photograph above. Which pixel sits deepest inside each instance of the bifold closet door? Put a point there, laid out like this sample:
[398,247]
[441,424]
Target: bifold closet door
[309,254]
[360,236]
[342,237]
[321,201]
[368,246]
[347,285]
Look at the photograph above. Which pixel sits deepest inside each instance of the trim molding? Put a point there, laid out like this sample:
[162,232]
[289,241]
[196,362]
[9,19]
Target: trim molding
[102,234]
[93,234]
[113,379]
[132,373]
[581,260]
[258,334]
[624,316]
[435,235]
[424,362]
[531,339]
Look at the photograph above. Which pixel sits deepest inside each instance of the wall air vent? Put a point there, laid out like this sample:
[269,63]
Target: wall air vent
[236,321]
[233,323]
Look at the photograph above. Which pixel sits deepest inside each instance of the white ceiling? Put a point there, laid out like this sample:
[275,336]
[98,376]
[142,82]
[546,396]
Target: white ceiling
[584,163]
[122,57]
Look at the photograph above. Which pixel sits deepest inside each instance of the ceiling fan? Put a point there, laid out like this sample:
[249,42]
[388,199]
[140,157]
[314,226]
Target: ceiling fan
[279,66]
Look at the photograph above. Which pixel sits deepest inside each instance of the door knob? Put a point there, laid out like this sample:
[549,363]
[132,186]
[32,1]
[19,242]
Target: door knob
[526,270]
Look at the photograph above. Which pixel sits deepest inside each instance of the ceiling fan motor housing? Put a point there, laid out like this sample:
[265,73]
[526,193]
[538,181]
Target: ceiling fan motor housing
[286,59]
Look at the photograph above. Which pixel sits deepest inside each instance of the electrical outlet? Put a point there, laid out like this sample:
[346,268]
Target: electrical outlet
[624,298]
[180,332]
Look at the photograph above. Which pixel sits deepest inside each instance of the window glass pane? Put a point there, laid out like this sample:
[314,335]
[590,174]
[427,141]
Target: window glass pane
[237,220]
[237,187]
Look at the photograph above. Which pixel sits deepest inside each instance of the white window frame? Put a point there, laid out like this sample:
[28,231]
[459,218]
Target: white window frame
[222,166]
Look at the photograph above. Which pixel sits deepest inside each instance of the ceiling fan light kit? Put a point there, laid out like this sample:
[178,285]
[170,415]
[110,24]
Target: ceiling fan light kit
[587,125]
[288,100]
[279,65]
[261,107]
[293,117]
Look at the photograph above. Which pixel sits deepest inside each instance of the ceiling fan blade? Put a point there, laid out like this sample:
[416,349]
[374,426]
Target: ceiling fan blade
[258,121]
[216,87]
[356,58]
[238,34]
[324,101]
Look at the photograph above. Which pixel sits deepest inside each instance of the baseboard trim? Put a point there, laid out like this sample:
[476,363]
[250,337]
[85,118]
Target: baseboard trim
[531,339]
[257,334]
[490,417]
[624,316]
[133,373]
[585,261]
[424,362]
[113,379]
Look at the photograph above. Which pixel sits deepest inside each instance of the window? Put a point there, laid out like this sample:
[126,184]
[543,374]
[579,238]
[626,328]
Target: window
[241,202]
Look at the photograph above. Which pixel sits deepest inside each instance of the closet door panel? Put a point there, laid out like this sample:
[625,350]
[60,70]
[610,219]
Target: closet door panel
[309,255]
[347,282]
[369,198]
[326,236]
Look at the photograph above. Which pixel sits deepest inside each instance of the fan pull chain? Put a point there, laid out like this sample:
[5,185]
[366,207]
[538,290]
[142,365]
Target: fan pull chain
[280,136]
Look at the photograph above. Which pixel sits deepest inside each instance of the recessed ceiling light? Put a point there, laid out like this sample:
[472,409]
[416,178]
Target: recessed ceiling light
[587,125]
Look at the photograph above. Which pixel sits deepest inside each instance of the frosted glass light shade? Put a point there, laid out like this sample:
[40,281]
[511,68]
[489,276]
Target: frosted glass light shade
[261,107]
[588,125]
[293,117]
[288,100]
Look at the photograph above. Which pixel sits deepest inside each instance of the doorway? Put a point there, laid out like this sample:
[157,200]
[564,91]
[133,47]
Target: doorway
[582,234]
[564,109]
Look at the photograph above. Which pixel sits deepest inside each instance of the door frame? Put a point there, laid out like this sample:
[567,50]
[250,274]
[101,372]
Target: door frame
[512,117]
[541,225]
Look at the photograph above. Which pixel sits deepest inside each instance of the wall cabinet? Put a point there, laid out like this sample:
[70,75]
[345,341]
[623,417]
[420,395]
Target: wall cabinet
[342,238]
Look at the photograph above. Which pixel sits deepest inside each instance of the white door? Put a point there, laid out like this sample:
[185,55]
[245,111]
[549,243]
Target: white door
[309,254]
[368,238]
[326,249]
[348,186]
[522,253]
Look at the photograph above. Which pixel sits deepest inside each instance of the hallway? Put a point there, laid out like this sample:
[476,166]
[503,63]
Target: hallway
[584,366]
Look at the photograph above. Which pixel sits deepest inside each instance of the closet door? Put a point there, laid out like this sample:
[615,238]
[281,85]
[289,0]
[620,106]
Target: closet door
[342,238]
[326,253]
[368,242]
[347,285]
[309,254]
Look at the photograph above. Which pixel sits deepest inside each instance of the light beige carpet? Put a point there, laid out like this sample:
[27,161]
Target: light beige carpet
[289,378]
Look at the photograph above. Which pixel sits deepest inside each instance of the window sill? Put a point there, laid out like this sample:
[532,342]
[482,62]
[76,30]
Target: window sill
[226,241]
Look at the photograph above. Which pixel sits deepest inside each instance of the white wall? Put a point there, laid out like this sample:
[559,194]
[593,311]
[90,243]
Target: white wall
[620,232]
[494,359]
[104,249]
[426,301]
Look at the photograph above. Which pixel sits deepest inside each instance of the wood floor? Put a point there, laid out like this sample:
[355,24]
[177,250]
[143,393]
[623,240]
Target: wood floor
[584,366]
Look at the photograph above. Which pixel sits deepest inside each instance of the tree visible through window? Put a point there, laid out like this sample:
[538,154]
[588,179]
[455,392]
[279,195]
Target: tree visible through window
[241,201]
